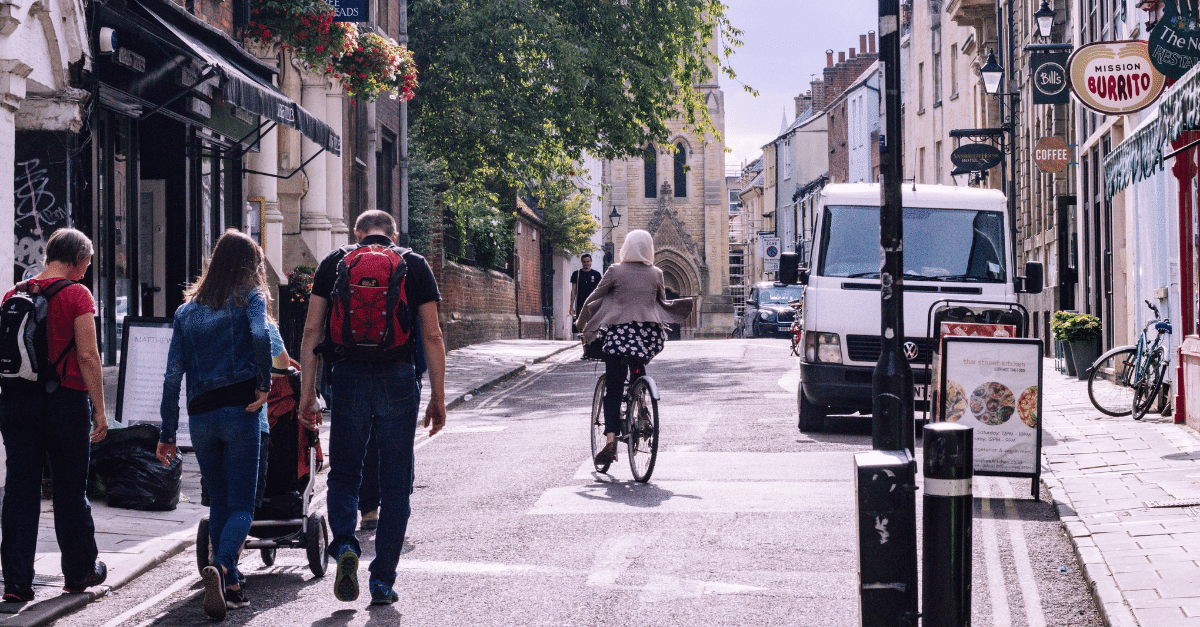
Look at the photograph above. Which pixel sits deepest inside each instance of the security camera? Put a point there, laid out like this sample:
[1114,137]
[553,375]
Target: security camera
[108,40]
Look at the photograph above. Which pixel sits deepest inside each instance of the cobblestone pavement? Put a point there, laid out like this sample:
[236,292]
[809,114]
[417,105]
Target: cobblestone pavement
[1126,491]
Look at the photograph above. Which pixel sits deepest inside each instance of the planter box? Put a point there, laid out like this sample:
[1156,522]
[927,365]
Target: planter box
[1083,353]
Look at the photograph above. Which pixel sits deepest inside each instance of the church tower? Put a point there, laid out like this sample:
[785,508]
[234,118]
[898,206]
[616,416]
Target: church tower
[676,191]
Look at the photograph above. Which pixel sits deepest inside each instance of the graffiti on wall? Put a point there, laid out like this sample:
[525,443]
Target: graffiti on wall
[40,198]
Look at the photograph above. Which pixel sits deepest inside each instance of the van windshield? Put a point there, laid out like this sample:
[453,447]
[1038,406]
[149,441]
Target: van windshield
[939,244]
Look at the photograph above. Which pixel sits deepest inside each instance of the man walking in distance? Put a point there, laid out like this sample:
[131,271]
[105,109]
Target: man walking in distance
[361,321]
[583,283]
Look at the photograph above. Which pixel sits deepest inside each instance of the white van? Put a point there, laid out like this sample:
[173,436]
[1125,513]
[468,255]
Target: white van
[956,245]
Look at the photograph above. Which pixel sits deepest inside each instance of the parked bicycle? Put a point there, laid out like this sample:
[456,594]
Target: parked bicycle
[1126,380]
[640,431]
[797,324]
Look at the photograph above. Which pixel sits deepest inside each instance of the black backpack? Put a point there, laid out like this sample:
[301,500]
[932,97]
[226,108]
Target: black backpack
[24,346]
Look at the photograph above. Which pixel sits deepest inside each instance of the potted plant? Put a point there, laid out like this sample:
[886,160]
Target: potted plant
[374,64]
[1061,317]
[1082,333]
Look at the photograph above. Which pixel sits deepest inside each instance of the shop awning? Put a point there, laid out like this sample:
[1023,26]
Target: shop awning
[1140,155]
[245,90]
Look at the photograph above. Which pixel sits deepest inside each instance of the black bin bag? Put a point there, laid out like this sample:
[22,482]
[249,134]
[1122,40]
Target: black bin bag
[124,463]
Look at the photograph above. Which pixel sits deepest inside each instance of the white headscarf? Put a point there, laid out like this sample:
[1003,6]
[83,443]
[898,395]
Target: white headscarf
[639,247]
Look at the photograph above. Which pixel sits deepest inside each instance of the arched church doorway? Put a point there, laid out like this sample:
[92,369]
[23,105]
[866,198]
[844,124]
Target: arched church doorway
[674,331]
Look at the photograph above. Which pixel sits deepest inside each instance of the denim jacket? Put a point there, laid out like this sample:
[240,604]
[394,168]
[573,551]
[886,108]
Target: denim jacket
[214,348]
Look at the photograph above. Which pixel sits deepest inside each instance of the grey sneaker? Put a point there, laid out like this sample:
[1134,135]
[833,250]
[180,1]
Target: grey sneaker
[214,593]
[345,583]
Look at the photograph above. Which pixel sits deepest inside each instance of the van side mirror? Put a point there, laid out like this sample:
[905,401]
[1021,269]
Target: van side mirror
[802,276]
[1034,277]
[789,263]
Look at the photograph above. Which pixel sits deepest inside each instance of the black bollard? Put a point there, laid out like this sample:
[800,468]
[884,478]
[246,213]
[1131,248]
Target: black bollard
[946,562]
[887,538]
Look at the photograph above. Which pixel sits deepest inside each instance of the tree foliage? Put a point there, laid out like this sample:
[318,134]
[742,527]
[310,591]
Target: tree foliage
[569,224]
[514,91]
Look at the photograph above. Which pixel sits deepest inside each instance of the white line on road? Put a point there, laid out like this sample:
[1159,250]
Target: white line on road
[997,594]
[613,558]
[790,380]
[152,601]
[1016,535]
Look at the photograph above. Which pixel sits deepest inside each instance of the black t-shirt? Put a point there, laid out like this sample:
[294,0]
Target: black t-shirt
[585,283]
[420,286]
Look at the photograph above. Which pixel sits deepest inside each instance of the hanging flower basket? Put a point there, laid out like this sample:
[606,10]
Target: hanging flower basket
[376,64]
[304,26]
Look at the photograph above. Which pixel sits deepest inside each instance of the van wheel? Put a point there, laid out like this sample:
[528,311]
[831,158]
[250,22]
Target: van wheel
[812,416]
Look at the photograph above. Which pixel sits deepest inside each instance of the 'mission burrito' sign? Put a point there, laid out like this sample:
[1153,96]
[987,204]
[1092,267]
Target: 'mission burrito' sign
[1115,77]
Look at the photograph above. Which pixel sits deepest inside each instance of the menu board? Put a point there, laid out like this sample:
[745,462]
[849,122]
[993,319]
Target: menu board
[994,386]
[144,346]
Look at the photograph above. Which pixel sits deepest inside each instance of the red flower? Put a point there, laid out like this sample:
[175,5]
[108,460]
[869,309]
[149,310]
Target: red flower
[320,48]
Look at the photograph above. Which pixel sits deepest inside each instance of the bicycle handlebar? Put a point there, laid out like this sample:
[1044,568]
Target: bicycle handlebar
[1154,309]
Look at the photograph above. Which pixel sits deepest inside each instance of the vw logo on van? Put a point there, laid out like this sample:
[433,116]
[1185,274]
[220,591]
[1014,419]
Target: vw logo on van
[910,350]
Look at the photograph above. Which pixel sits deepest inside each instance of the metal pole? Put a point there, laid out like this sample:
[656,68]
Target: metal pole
[946,559]
[405,239]
[892,405]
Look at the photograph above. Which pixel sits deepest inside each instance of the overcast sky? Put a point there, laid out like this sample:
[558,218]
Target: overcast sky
[785,43]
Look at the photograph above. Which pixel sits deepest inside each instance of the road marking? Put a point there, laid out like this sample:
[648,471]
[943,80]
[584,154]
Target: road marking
[152,601]
[997,594]
[1016,536]
[614,558]
[790,381]
[680,464]
[476,429]
[668,497]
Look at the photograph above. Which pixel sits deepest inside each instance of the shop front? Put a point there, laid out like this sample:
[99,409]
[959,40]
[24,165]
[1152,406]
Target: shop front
[1156,168]
[178,105]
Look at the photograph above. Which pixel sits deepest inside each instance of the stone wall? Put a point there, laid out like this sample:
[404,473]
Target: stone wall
[477,305]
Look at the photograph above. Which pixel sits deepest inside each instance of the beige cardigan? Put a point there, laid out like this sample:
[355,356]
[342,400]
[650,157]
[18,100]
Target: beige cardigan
[630,292]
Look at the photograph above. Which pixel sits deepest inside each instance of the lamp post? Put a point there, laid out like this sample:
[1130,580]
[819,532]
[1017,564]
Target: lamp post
[614,219]
[993,76]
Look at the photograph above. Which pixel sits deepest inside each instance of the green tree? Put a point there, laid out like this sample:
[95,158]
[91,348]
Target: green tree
[513,91]
[569,224]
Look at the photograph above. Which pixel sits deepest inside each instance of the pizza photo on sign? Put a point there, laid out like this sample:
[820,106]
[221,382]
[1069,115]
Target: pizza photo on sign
[1027,407]
[956,401]
[993,403]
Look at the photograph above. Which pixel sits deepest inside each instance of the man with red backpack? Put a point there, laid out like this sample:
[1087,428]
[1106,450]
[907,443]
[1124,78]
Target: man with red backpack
[367,302]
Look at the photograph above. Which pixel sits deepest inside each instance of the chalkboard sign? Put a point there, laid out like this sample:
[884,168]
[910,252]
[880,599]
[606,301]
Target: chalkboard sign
[144,346]
[995,386]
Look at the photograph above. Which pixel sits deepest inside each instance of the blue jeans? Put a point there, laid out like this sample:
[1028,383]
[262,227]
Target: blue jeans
[35,426]
[226,442]
[378,401]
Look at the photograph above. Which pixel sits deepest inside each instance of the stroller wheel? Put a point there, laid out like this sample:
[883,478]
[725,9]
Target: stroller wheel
[268,556]
[203,552]
[316,540]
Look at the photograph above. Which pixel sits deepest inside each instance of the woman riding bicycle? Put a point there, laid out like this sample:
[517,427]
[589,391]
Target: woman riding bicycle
[628,312]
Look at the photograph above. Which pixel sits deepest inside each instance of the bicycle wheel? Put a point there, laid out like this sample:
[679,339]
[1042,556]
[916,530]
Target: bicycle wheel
[596,424]
[1109,383]
[1146,390]
[642,430]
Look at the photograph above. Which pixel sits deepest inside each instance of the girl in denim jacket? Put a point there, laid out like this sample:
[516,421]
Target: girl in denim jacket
[220,341]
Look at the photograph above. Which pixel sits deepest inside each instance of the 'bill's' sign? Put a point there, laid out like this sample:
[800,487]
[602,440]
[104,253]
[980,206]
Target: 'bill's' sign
[1115,77]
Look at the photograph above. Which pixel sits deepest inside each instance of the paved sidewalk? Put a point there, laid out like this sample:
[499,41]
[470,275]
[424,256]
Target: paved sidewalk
[133,542]
[1120,487]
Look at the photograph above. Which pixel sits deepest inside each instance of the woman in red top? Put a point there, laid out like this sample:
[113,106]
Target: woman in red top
[38,424]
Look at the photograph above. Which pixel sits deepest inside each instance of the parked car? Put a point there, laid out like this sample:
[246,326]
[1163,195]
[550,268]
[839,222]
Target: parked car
[768,310]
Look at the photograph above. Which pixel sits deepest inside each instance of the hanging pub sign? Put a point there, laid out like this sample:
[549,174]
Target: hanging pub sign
[1050,77]
[350,10]
[1175,40]
[1052,154]
[1115,77]
[976,157]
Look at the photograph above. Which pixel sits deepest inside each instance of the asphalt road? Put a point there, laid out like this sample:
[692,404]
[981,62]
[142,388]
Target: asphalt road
[746,521]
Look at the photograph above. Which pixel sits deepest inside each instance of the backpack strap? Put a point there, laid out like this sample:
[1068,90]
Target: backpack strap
[48,293]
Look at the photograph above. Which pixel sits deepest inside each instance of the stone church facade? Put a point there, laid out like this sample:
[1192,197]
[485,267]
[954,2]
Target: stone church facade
[676,191]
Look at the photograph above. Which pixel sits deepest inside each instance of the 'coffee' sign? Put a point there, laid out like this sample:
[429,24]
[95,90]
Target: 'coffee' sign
[1050,77]
[1052,154]
[1115,77]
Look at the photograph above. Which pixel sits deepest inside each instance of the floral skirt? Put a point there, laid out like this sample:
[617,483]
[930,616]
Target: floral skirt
[640,341]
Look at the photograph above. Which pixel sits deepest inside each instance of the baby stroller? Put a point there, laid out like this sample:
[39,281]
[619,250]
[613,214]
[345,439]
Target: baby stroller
[284,519]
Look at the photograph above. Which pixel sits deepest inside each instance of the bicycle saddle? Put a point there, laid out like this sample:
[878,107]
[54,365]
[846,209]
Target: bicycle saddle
[1163,327]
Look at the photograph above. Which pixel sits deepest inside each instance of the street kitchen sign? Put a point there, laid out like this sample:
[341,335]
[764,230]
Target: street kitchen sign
[1115,77]
[976,157]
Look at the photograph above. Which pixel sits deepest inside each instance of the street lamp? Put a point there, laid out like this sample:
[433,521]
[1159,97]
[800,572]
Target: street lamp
[1045,19]
[992,73]
[614,218]
[610,246]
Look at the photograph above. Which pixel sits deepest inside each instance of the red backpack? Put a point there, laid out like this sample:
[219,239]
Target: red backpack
[368,318]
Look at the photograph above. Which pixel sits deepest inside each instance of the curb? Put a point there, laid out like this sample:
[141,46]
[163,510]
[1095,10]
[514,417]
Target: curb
[52,609]
[1099,577]
[512,373]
